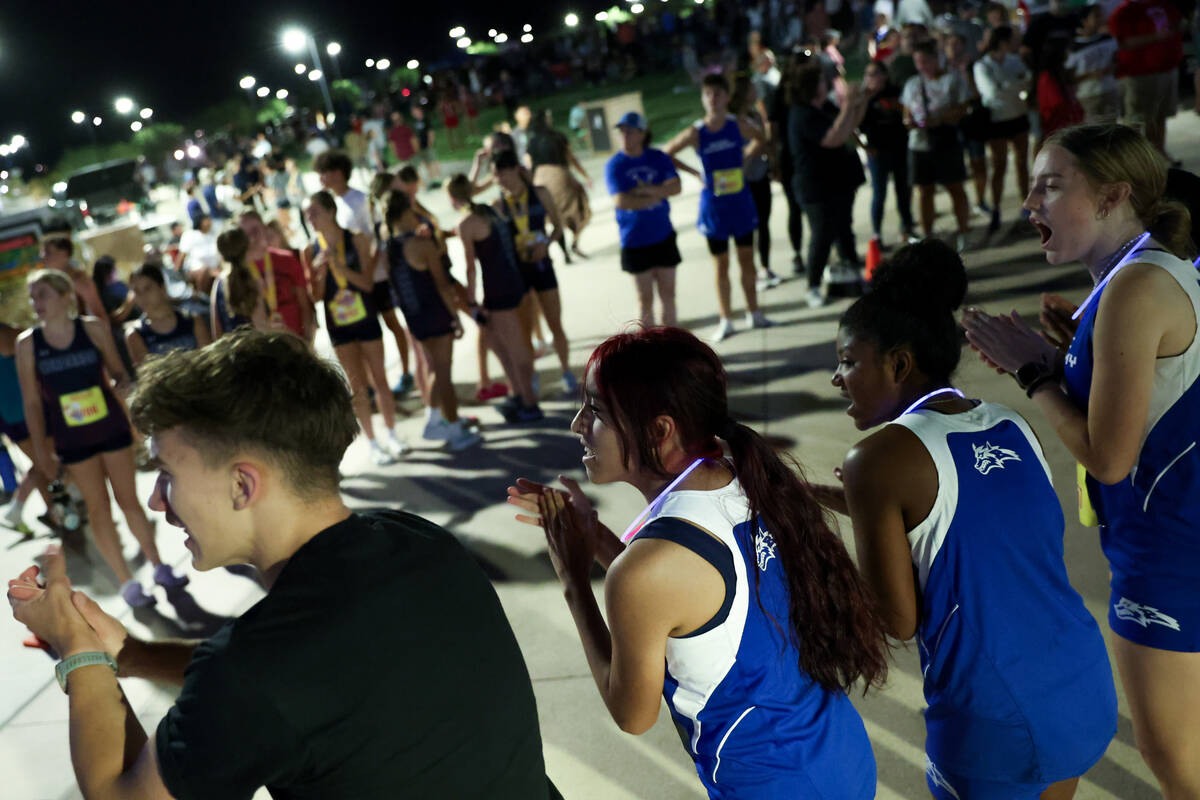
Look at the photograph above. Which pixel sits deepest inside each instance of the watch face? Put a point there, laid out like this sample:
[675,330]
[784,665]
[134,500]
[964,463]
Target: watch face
[1028,373]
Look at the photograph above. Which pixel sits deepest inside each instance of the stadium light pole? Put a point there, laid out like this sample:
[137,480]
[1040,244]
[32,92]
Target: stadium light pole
[294,40]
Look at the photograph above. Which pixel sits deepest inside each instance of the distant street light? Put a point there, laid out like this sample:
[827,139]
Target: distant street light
[413,63]
[492,33]
[123,105]
[601,16]
[193,151]
[300,69]
[528,28]
[457,32]
[178,155]
[463,43]
[146,113]
[96,121]
[294,40]
[526,38]
[4,150]
[282,94]
[333,48]
[572,20]
[18,142]
[247,82]
[383,64]
[78,117]
[315,75]
[370,63]
[263,91]
[135,126]
[637,8]
[501,38]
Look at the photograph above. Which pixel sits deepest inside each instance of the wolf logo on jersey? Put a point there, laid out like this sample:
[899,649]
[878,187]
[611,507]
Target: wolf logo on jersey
[990,457]
[764,548]
[1143,615]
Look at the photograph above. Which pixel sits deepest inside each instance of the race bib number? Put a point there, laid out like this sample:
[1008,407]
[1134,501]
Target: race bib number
[728,181]
[83,407]
[348,308]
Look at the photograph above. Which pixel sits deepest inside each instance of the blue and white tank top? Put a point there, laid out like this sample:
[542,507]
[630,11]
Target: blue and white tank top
[1016,675]
[181,337]
[1148,521]
[726,205]
[754,724]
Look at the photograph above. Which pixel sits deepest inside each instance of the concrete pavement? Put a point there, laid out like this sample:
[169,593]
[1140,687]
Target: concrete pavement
[779,382]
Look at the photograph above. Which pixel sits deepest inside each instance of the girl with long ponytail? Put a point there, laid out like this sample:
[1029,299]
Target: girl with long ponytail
[730,596]
[237,298]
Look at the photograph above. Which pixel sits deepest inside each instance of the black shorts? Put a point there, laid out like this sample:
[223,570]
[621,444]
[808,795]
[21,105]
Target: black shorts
[15,431]
[1009,128]
[73,455]
[719,247]
[539,277]
[383,296]
[933,168]
[661,254]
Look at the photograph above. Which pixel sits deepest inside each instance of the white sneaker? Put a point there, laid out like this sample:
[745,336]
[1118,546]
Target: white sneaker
[396,445]
[757,319]
[381,457]
[461,437]
[815,298]
[12,513]
[436,428]
[724,330]
[962,243]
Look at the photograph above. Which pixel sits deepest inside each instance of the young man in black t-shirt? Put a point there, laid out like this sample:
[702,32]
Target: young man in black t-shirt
[379,665]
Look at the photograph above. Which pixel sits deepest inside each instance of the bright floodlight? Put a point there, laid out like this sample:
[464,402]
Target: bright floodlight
[178,155]
[637,8]
[528,28]
[413,63]
[457,32]
[123,105]
[333,48]
[492,33]
[4,150]
[193,151]
[18,141]
[526,38]
[281,94]
[78,117]
[601,16]
[263,91]
[428,79]
[383,64]
[370,62]
[146,113]
[315,75]
[294,40]
[501,38]
[4,177]
[463,43]
[300,69]
[57,188]
[247,82]
[572,20]
[96,121]
[135,126]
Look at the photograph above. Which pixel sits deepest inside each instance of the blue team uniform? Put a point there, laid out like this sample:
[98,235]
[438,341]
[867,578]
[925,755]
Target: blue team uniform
[624,173]
[1149,527]
[726,205]
[181,337]
[1017,679]
[753,722]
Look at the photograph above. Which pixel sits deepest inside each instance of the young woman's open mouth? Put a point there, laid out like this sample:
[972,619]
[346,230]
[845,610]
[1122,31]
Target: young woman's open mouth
[1043,230]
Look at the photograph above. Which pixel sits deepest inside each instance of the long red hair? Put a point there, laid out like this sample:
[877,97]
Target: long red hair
[653,372]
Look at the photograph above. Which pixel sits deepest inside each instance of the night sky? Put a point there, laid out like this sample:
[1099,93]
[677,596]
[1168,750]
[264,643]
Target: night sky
[175,57]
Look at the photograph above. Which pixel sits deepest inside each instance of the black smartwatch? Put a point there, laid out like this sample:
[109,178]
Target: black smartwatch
[1033,375]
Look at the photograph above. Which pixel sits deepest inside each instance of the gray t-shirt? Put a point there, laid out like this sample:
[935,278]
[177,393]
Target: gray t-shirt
[948,90]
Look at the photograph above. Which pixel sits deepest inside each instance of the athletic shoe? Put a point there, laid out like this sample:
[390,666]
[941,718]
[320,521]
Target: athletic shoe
[961,243]
[724,330]
[982,210]
[815,298]
[134,596]
[531,413]
[381,457]
[843,272]
[11,515]
[404,385]
[498,389]
[798,269]
[757,319]
[540,348]
[396,445]
[436,428]
[570,384]
[769,281]
[165,577]
[461,438]
[994,225]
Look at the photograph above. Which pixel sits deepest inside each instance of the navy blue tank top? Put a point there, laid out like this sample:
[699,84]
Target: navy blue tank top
[181,337]
[503,286]
[356,312]
[416,291]
[229,321]
[80,408]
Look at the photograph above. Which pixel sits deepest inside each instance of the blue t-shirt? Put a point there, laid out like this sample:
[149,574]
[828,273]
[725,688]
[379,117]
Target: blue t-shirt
[624,173]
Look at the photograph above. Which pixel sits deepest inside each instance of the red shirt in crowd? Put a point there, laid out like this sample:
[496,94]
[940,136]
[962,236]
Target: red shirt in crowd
[1143,18]
[289,278]
[1057,105]
[449,114]
[401,137]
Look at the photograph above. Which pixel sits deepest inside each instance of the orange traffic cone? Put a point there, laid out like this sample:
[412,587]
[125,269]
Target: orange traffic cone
[874,256]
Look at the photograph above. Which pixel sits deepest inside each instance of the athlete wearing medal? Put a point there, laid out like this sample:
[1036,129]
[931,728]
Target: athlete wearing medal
[1015,711]
[734,602]
[281,276]
[1122,391]
[724,143]
[163,327]
[342,268]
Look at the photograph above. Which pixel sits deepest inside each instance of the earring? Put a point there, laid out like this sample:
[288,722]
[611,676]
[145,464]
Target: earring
[1102,214]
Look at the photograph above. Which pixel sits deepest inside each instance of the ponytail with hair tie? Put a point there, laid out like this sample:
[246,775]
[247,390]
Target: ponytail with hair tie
[1170,223]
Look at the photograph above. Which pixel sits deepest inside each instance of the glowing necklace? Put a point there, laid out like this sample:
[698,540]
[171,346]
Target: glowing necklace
[921,401]
[1108,276]
[636,525]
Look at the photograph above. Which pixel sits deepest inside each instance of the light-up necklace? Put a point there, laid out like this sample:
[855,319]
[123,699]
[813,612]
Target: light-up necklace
[636,525]
[1108,276]
[921,401]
